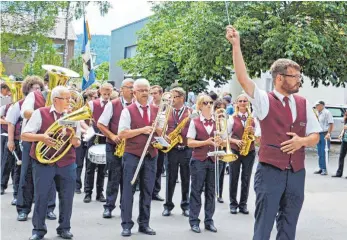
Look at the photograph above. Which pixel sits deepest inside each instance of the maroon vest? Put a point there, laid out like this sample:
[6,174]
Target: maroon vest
[117,108]
[172,124]
[5,126]
[137,144]
[18,125]
[97,111]
[200,153]
[47,121]
[40,100]
[238,130]
[274,128]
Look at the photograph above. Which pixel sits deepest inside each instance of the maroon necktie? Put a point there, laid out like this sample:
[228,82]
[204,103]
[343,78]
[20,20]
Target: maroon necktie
[58,115]
[208,122]
[127,104]
[104,102]
[176,115]
[287,109]
[243,118]
[145,115]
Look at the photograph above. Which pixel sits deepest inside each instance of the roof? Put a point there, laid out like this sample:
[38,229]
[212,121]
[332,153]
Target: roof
[58,31]
[133,23]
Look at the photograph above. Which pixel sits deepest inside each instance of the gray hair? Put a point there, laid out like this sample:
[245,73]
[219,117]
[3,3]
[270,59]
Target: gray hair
[281,65]
[141,82]
[180,91]
[127,80]
[57,91]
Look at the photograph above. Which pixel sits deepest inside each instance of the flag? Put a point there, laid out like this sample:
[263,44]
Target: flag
[88,71]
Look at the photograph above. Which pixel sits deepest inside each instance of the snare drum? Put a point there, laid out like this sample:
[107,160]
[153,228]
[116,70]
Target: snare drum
[97,154]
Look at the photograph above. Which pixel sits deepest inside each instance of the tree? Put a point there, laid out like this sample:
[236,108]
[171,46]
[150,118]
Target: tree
[75,10]
[185,41]
[102,70]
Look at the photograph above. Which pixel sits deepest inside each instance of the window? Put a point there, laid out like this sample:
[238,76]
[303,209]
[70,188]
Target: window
[59,48]
[130,51]
[336,112]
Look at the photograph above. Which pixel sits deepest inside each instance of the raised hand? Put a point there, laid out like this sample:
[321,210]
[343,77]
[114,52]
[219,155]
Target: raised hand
[232,35]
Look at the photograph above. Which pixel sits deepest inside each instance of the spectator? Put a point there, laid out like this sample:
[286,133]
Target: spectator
[229,106]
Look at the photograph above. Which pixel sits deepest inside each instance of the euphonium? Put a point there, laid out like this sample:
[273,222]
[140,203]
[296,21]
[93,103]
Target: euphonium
[47,155]
[220,116]
[58,76]
[247,136]
[77,100]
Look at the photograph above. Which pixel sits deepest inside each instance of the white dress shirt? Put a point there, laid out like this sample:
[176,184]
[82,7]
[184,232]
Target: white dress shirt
[35,122]
[13,114]
[261,106]
[91,105]
[108,112]
[125,119]
[28,103]
[2,111]
[231,124]
[192,130]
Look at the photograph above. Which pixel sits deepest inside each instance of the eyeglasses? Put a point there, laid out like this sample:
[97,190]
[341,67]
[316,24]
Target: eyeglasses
[177,96]
[242,101]
[128,87]
[142,90]
[66,99]
[299,77]
[206,103]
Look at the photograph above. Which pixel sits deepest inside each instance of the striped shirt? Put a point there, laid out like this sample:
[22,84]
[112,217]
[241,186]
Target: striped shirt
[325,119]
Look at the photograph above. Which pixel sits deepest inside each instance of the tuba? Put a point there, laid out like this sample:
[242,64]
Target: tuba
[77,100]
[16,90]
[247,136]
[48,155]
[58,76]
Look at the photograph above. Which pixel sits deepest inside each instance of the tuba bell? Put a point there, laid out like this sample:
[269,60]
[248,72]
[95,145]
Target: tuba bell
[58,76]
[16,90]
[48,155]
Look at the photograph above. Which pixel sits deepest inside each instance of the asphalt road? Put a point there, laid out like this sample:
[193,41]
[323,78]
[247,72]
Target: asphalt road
[323,217]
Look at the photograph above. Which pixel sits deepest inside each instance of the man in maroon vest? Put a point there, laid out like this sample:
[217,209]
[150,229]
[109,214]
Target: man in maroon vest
[288,125]
[97,107]
[108,125]
[134,125]
[179,156]
[63,172]
[156,94]
[35,99]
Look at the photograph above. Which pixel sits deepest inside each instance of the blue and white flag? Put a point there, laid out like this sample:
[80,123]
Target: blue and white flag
[88,71]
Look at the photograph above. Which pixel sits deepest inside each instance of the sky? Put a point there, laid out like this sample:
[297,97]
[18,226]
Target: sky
[121,13]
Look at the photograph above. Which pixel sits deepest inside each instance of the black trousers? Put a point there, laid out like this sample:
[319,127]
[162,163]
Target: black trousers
[343,152]
[81,152]
[26,185]
[222,166]
[3,139]
[9,163]
[177,159]
[160,164]
[279,195]
[246,164]
[114,179]
[45,177]
[147,178]
[202,174]
[90,172]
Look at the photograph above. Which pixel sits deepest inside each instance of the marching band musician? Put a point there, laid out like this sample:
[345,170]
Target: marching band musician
[179,156]
[236,125]
[6,168]
[134,125]
[201,138]
[288,125]
[156,93]
[108,125]
[4,95]
[35,99]
[14,121]
[63,172]
[97,107]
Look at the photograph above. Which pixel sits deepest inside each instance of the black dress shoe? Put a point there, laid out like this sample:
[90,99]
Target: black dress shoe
[107,213]
[126,233]
[185,213]
[166,213]
[220,200]
[157,198]
[243,210]
[14,202]
[100,197]
[211,228]
[51,216]
[87,198]
[78,191]
[196,228]
[22,217]
[233,210]
[35,237]
[147,230]
[2,192]
[318,171]
[336,175]
[65,234]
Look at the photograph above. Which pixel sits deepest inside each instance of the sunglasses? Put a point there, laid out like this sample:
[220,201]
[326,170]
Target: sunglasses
[206,103]
[242,101]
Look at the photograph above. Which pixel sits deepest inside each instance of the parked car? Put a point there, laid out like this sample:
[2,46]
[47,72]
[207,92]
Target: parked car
[337,111]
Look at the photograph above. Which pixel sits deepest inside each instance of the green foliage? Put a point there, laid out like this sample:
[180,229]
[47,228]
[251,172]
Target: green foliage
[76,64]
[102,71]
[185,41]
